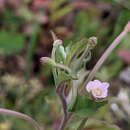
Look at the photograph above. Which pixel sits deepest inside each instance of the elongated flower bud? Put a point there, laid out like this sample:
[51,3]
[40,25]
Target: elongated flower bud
[47,60]
[93,42]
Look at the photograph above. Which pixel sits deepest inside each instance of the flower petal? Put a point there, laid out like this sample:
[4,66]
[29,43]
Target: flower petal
[89,86]
[105,84]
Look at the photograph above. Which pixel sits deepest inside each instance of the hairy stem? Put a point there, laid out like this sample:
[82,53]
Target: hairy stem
[56,44]
[60,92]
[83,56]
[54,69]
[104,56]
[20,115]
[62,66]
[73,95]
[66,117]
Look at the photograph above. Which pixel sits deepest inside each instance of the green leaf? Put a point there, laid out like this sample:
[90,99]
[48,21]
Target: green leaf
[62,76]
[74,50]
[100,125]
[10,43]
[85,107]
[83,63]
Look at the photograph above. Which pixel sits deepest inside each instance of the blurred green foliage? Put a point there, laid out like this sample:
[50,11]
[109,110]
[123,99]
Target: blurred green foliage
[11,43]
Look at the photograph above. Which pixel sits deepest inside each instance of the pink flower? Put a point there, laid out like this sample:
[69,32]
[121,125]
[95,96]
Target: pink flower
[98,89]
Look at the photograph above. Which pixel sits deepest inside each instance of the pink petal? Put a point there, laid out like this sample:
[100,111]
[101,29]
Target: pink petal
[105,85]
[89,86]
[104,94]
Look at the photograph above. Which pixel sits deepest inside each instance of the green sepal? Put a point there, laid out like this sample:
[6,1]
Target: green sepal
[85,107]
[74,50]
[82,64]
[62,76]
[73,76]
[60,54]
[53,35]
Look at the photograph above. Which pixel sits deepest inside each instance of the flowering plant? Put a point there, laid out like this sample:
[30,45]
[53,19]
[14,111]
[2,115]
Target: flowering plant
[68,66]
[85,96]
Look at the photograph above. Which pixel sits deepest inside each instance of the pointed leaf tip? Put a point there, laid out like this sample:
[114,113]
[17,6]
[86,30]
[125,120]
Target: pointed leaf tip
[53,36]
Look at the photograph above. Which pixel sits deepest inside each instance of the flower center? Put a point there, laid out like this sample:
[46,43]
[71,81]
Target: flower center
[97,92]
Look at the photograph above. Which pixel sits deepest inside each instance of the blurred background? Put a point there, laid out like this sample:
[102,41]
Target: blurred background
[28,87]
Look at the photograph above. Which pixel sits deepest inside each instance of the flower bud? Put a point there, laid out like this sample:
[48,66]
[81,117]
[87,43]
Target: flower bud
[48,61]
[93,42]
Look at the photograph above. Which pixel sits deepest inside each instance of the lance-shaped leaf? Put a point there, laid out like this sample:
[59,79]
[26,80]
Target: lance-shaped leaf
[85,107]
[82,64]
[100,125]
[85,56]
[62,76]
[73,50]
[68,71]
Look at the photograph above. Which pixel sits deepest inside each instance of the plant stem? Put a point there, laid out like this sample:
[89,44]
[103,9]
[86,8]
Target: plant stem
[74,95]
[83,56]
[81,126]
[104,56]
[20,115]
[62,66]
[54,69]
[60,92]
[56,44]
